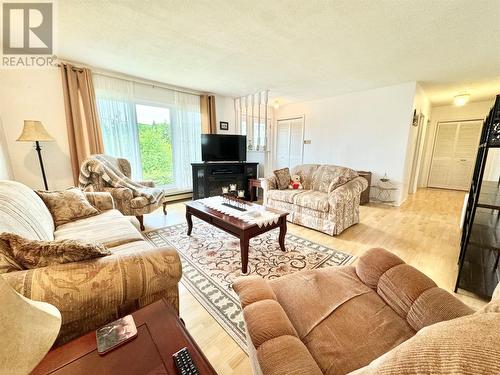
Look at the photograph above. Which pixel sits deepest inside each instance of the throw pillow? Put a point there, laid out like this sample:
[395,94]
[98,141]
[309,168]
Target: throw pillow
[7,262]
[35,254]
[283,178]
[67,205]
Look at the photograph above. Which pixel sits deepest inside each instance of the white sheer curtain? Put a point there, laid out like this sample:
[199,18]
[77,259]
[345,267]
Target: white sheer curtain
[116,102]
[116,106]
[186,134]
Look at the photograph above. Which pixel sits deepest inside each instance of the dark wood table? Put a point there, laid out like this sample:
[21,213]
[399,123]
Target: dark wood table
[237,227]
[253,184]
[160,334]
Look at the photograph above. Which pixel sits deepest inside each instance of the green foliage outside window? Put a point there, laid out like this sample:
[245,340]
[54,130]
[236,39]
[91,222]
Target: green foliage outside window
[155,142]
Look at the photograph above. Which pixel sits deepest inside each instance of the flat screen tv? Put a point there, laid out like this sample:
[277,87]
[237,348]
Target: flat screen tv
[216,147]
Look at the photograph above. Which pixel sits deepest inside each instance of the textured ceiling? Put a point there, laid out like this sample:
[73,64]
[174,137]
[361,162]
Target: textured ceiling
[299,49]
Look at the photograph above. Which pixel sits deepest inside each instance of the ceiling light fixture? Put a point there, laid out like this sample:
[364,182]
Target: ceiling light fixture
[276,104]
[460,100]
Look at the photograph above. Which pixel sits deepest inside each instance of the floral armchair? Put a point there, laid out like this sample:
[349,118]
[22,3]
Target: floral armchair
[124,198]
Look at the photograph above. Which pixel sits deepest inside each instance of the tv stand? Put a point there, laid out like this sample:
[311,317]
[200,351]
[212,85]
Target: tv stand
[210,177]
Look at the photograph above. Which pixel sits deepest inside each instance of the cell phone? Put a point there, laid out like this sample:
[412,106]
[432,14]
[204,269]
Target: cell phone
[115,334]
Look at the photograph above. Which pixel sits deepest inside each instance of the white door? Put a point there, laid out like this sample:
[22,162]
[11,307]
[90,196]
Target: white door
[454,155]
[289,142]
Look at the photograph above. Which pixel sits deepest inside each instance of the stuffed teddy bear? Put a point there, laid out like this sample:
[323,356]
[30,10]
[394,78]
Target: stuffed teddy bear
[295,182]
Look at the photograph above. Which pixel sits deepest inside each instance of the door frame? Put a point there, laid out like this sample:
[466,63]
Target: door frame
[275,136]
[434,149]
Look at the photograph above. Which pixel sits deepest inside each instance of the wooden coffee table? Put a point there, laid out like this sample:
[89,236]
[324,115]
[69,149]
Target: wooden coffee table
[238,228]
[160,334]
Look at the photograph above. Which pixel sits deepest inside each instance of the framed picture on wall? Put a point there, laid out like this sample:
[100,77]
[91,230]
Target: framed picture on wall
[224,125]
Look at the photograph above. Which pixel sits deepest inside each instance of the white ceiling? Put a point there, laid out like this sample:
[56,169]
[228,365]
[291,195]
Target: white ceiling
[300,49]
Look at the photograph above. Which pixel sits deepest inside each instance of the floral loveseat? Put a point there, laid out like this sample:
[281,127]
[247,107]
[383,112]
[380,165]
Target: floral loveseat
[328,202]
[90,293]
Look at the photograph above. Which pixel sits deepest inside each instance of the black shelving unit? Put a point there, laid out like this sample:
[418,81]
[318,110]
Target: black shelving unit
[480,245]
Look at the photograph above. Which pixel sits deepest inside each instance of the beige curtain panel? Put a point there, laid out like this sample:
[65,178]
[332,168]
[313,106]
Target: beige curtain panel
[84,130]
[208,118]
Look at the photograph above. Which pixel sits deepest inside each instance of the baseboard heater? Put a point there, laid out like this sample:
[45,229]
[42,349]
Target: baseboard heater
[179,196]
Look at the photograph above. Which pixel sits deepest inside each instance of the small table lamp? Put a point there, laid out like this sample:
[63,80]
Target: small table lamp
[34,131]
[29,328]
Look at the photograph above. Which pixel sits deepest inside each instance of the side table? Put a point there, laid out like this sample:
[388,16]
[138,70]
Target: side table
[160,335]
[253,184]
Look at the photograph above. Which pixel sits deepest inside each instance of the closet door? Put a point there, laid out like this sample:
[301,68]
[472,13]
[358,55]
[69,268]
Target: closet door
[455,150]
[282,144]
[289,142]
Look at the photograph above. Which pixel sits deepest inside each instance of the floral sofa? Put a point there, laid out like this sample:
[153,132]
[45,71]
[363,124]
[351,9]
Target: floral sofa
[91,293]
[328,202]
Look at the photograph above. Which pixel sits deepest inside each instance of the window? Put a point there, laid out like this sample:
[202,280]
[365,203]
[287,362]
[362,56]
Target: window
[155,144]
[157,130]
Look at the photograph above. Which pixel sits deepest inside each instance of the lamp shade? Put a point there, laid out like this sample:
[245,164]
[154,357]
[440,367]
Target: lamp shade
[29,328]
[34,131]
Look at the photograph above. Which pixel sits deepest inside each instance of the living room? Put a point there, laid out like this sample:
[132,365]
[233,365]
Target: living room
[374,125]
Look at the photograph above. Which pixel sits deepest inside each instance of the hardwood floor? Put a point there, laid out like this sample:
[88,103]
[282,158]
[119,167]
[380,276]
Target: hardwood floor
[424,232]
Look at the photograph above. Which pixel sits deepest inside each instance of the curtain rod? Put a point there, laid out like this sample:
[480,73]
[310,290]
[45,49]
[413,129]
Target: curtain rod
[129,78]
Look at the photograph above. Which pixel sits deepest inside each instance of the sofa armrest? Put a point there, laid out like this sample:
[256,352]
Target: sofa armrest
[81,290]
[268,183]
[101,200]
[274,346]
[147,183]
[347,192]
[120,193]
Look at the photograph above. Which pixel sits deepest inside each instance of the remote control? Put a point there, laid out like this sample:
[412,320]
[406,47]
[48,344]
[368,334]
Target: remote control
[184,363]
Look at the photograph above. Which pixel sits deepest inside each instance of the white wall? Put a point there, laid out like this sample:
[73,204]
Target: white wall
[5,165]
[470,111]
[416,141]
[224,111]
[35,94]
[366,130]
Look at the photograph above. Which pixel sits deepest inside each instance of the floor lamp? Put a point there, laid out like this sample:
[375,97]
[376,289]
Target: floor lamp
[34,131]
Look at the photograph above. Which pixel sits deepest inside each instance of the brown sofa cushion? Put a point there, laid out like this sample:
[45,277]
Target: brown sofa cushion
[467,345]
[35,254]
[374,263]
[283,178]
[286,355]
[251,289]
[410,293]
[401,285]
[433,306]
[309,296]
[343,323]
[67,205]
[265,321]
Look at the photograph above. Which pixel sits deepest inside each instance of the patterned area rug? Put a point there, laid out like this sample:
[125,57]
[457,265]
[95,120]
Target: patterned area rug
[211,261]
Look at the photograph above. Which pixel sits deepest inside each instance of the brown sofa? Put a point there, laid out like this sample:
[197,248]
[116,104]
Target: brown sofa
[339,319]
[90,293]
